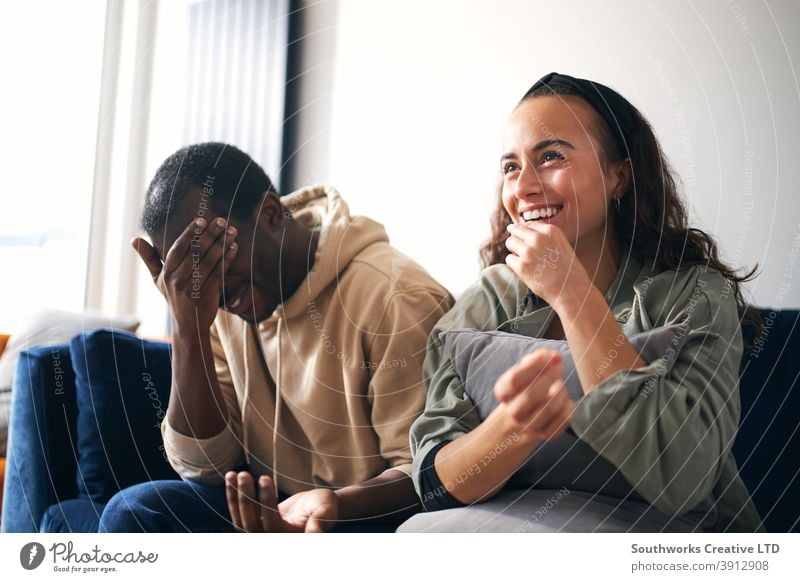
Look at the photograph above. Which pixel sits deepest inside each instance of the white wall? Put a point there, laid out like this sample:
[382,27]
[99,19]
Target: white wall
[419,91]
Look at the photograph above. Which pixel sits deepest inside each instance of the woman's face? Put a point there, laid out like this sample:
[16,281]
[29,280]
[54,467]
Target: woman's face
[553,172]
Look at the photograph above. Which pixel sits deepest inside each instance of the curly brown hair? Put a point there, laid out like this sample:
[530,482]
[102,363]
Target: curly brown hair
[652,220]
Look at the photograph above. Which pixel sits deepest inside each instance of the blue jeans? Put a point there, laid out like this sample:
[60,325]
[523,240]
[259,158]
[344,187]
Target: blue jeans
[183,506]
[167,507]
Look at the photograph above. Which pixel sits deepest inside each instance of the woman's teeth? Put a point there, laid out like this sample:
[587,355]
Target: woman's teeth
[540,213]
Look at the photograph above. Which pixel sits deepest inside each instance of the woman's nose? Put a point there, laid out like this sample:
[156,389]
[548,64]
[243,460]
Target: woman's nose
[528,182]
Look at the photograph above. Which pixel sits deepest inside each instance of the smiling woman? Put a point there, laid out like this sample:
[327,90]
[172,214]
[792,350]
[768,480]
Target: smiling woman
[563,176]
[591,246]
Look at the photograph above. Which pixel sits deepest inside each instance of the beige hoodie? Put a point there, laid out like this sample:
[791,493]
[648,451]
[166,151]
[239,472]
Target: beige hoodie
[322,394]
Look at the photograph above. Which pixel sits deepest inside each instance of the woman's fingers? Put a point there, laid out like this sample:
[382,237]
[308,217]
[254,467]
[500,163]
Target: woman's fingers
[542,364]
[532,233]
[534,407]
[544,412]
[516,245]
[552,418]
[559,421]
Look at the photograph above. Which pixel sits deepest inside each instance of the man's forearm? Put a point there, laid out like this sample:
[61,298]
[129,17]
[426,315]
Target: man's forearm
[388,496]
[196,405]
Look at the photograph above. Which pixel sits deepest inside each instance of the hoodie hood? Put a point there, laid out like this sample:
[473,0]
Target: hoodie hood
[306,415]
[342,237]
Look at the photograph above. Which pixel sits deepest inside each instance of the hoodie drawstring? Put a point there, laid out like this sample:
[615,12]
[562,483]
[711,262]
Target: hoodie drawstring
[277,410]
[246,399]
[246,402]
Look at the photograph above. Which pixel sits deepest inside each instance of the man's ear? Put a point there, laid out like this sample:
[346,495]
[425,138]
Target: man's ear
[271,209]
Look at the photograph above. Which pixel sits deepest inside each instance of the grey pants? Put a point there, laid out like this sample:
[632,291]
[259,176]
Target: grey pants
[547,510]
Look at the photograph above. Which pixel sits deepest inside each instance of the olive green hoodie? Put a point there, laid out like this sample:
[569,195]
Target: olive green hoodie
[323,392]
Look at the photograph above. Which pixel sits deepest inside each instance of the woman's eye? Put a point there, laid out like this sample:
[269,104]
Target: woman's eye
[551,155]
[510,167]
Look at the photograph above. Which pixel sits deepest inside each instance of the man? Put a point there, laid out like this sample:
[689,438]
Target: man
[298,337]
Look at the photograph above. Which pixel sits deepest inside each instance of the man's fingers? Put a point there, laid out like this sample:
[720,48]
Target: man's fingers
[201,262]
[273,521]
[540,365]
[232,496]
[179,249]
[148,255]
[208,257]
[247,503]
[213,273]
[317,521]
[196,241]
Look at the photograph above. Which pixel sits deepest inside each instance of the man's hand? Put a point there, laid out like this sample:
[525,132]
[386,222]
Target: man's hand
[534,397]
[310,511]
[191,276]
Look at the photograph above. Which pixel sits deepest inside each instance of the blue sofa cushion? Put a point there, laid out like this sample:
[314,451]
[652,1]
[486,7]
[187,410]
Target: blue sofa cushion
[767,446]
[41,463]
[122,389]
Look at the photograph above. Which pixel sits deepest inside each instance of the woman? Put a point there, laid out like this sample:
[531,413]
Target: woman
[591,245]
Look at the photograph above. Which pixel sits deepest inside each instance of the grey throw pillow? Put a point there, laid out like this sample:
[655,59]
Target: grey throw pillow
[481,357]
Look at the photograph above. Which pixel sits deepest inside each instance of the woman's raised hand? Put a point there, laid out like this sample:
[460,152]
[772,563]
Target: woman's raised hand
[543,258]
[534,398]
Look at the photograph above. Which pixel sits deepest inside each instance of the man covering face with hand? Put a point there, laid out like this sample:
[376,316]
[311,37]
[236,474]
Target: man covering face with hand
[298,336]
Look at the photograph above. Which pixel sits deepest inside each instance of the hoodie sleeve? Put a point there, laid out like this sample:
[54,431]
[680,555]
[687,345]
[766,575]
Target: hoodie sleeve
[207,460]
[396,390]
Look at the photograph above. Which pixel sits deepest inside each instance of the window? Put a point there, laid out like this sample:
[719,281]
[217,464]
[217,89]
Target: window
[51,89]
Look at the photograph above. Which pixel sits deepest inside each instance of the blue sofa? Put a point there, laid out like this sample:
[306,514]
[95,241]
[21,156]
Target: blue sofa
[84,424]
[85,415]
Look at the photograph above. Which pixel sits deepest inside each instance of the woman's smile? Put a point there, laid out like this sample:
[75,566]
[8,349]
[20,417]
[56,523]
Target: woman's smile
[545,174]
[542,214]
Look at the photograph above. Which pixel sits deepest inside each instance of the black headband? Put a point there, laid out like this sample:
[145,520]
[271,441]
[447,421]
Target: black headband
[612,107]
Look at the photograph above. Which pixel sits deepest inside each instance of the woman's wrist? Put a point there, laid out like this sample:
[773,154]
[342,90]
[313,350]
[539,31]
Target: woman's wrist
[501,428]
[475,466]
[576,296]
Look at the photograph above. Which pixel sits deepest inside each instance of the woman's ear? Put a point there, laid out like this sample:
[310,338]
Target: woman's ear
[621,174]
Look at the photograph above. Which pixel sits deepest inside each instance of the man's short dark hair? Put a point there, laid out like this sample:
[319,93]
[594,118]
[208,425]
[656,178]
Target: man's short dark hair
[233,182]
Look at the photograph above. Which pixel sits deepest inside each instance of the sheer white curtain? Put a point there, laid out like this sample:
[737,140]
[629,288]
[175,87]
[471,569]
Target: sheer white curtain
[50,88]
[176,73]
